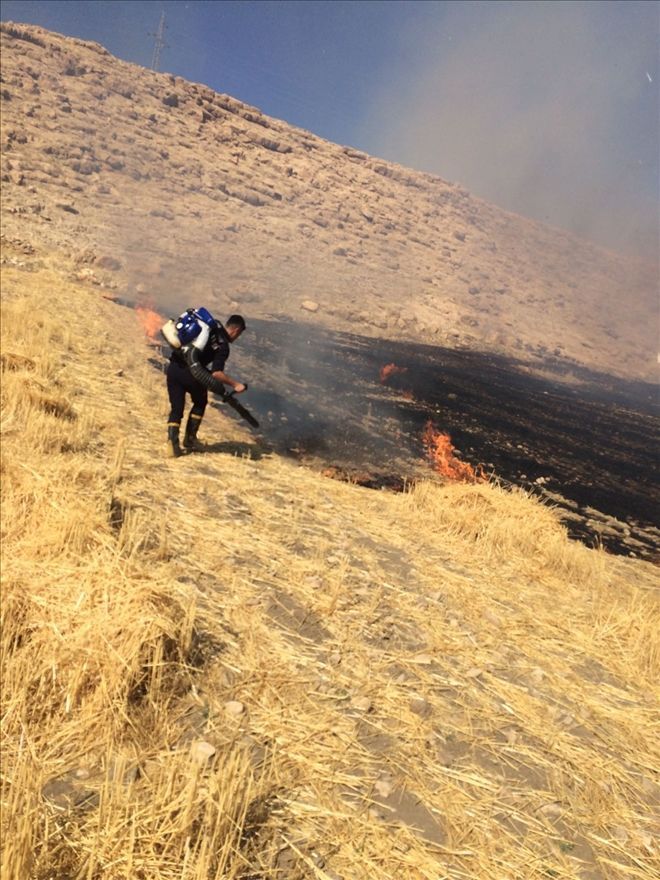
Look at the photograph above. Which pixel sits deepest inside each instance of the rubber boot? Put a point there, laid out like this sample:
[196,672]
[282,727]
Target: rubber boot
[173,448]
[190,441]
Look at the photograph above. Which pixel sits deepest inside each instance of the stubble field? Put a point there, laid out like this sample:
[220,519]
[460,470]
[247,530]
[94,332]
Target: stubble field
[228,666]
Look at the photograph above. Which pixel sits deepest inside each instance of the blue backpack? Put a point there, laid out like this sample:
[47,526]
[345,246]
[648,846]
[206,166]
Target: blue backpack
[191,329]
[190,324]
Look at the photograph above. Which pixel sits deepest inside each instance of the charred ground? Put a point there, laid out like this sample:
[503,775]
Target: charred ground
[588,447]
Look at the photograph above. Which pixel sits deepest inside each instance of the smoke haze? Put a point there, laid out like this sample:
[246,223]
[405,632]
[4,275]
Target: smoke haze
[546,109]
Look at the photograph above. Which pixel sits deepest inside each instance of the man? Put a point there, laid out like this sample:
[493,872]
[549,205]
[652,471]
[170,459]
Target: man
[180,382]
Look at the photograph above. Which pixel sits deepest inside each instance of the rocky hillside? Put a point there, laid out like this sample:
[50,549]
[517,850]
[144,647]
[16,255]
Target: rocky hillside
[165,187]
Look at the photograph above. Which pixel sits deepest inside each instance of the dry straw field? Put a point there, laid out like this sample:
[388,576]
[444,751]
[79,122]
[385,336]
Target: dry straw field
[227,666]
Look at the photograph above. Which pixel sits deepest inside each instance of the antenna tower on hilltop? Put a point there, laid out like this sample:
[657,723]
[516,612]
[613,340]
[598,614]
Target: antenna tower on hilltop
[160,42]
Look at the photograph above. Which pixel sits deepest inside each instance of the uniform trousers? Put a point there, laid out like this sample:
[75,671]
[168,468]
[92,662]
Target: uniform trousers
[179,383]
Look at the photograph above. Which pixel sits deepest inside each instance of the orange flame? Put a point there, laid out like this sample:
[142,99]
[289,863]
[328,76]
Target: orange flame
[440,452]
[390,370]
[151,321]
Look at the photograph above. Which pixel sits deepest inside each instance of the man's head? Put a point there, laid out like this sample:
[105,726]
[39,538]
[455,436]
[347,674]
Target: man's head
[234,326]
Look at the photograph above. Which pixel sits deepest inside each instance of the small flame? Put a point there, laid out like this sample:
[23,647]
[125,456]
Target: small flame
[440,452]
[151,321]
[390,370]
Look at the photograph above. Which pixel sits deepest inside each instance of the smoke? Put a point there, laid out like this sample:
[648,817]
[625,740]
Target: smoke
[550,110]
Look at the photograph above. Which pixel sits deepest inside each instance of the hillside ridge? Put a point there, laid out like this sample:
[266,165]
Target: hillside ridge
[167,189]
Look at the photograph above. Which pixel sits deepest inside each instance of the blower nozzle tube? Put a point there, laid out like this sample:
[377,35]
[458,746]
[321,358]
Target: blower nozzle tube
[200,372]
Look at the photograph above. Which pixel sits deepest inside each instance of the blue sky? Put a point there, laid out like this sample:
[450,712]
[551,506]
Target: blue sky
[550,109]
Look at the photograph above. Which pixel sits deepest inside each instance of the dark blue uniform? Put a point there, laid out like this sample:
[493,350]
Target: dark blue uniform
[180,381]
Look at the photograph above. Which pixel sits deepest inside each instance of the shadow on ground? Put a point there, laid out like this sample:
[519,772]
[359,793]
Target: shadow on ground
[229,447]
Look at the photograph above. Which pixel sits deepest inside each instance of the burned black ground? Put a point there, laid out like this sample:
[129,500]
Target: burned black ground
[589,447]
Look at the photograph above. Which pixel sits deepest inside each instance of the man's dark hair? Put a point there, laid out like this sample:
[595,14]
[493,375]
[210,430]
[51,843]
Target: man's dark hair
[236,321]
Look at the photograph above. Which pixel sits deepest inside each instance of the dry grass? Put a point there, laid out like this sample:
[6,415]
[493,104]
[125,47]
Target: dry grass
[430,685]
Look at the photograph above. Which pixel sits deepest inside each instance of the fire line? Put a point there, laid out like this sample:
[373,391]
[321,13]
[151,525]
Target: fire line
[390,370]
[440,452]
[151,321]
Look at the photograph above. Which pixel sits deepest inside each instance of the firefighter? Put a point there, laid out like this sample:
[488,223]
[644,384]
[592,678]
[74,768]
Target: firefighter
[180,381]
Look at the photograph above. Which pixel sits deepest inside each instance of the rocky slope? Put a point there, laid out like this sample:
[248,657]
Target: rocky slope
[167,188]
